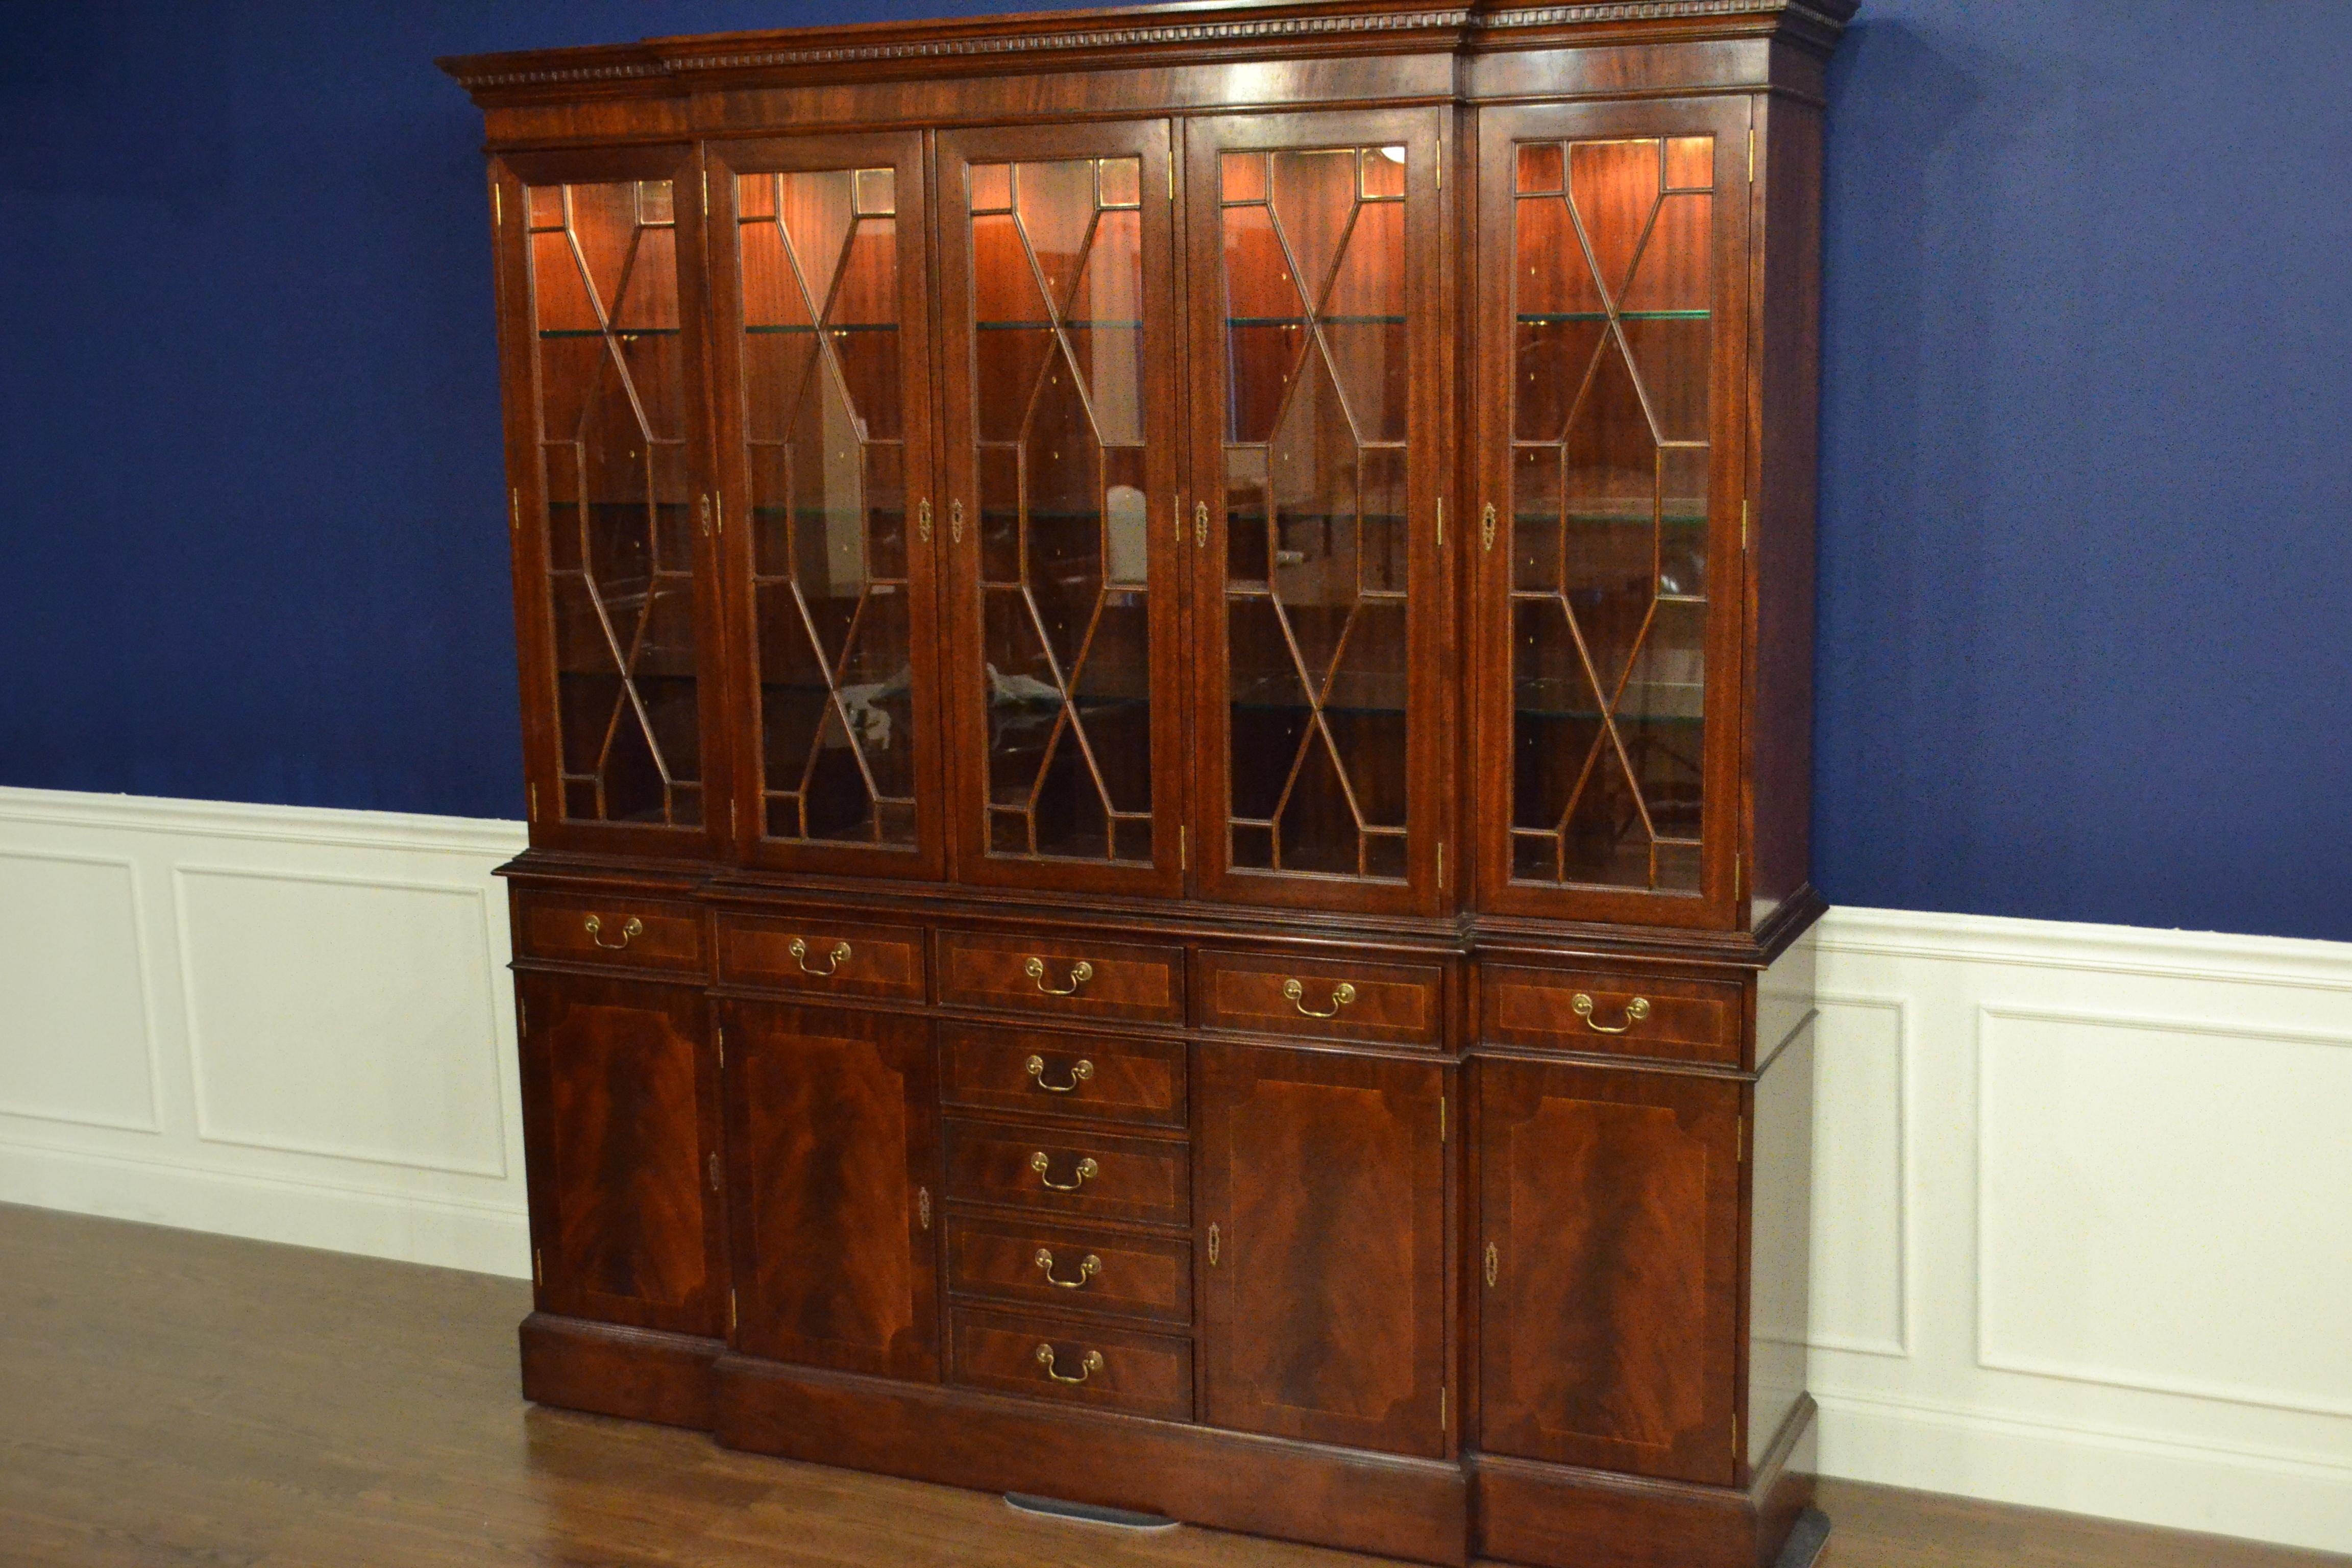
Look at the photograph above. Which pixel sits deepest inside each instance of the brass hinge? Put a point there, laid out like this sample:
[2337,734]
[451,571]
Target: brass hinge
[522,1017]
[498,207]
[514,510]
[1743,526]
[1171,178]
[713,1164]
[732,1317]
[719,506]
[1440,522]
[1442,1392]
[1212,1245]
[1179,520]
[534,802]
[1441,865]
[706,190]
[1183,849]
[723,1049]
[538,1267]
[1740,1144]
[1738,874]
[1751,155]
[1440,162]
[1441,1119]
[734,822]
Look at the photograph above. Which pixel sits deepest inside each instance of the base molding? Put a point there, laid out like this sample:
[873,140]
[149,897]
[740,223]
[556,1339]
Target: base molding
[608,1369]
[1556,1517]
[1430,1511]
[1228,1480]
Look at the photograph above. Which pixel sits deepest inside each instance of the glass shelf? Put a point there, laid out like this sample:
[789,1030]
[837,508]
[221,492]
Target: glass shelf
[1562,318]
[623,333]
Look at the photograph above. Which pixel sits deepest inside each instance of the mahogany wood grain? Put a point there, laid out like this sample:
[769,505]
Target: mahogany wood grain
[1083,1077]
[1393,1004]
[1093,1364]
[882,961]
[1324,1295]
[1128,981]
[1686,1020]
[1071,1268]
[833,1159]
[1143,1179]
[620,1126]
[556,926]
[1610,1198]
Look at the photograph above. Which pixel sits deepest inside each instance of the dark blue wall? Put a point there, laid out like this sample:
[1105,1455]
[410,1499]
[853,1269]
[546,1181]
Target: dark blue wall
[2086,525]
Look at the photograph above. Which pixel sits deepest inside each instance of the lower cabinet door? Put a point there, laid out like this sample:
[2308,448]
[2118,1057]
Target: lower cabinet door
[1322,1252]
[833,1155]
[621,1122]
[1609,1249]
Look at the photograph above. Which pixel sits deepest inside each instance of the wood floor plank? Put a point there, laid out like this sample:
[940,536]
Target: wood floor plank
[168,1399]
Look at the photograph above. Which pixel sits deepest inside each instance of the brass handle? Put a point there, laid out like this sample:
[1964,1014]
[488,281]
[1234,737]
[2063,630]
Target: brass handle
[1486,528]
[923,520]
[923,1205]
[1079,1073]
[1341,994]
[834,960]
[1213,1246]
[1201,523]
[629,932]
[955,521]
[1080,973]
[1088,1267]
[1635,1011]
[1089,1364]
[1087,1169]
[1494,1264]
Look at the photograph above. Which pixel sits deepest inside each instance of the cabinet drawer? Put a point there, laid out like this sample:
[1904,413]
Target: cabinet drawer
[621,930]
[1073,1269]
[1625,1014]
[1071,1170]
[832,958]
[1328,999]
[1048,1073]
[1078,979]
[1116,1369]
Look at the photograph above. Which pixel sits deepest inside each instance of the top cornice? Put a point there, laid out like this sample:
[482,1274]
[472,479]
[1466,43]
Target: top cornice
[1220,29]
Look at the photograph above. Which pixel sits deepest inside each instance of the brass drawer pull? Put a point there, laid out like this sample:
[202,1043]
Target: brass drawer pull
[1087,1171]
[1083,1070]
[1341,994]
[1494,1264]
[629,933]
[1089,1364]
[1080,973]
[1089,1267]
[834,960]
[1635,1011]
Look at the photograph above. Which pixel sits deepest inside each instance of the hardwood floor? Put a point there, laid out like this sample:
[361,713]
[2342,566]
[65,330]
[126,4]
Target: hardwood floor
[170,1397]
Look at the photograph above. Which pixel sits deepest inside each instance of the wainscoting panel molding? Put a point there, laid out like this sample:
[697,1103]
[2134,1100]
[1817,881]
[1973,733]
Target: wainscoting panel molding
[294,1024]
[2082,1236]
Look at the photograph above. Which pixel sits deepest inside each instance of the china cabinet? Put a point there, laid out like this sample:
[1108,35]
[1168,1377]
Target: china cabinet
[1166,672]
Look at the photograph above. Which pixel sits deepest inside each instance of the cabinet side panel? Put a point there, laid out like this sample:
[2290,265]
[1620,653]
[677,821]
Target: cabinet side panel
[1781,1192]
[1789,416]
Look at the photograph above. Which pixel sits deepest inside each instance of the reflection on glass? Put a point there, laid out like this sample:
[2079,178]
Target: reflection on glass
[1609,501]
[611,402]
[824,443]
[1316,399]
[1059,420]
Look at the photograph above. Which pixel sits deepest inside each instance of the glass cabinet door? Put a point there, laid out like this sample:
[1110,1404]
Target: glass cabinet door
[824,377]
[599,255]
[1319,382]
[1059,351]
[1613,342]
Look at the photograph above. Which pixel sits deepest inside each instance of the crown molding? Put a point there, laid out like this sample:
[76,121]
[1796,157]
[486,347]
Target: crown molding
[1086,37]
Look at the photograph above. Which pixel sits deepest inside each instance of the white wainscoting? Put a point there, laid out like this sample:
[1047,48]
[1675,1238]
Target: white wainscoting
[294,1024]
[2082,1236]
[2083,1219]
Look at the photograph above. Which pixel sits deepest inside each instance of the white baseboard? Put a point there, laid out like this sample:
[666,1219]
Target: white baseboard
[2080,1239]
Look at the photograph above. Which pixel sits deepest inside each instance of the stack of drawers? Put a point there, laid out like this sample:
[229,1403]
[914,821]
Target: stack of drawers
[1068,1175]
